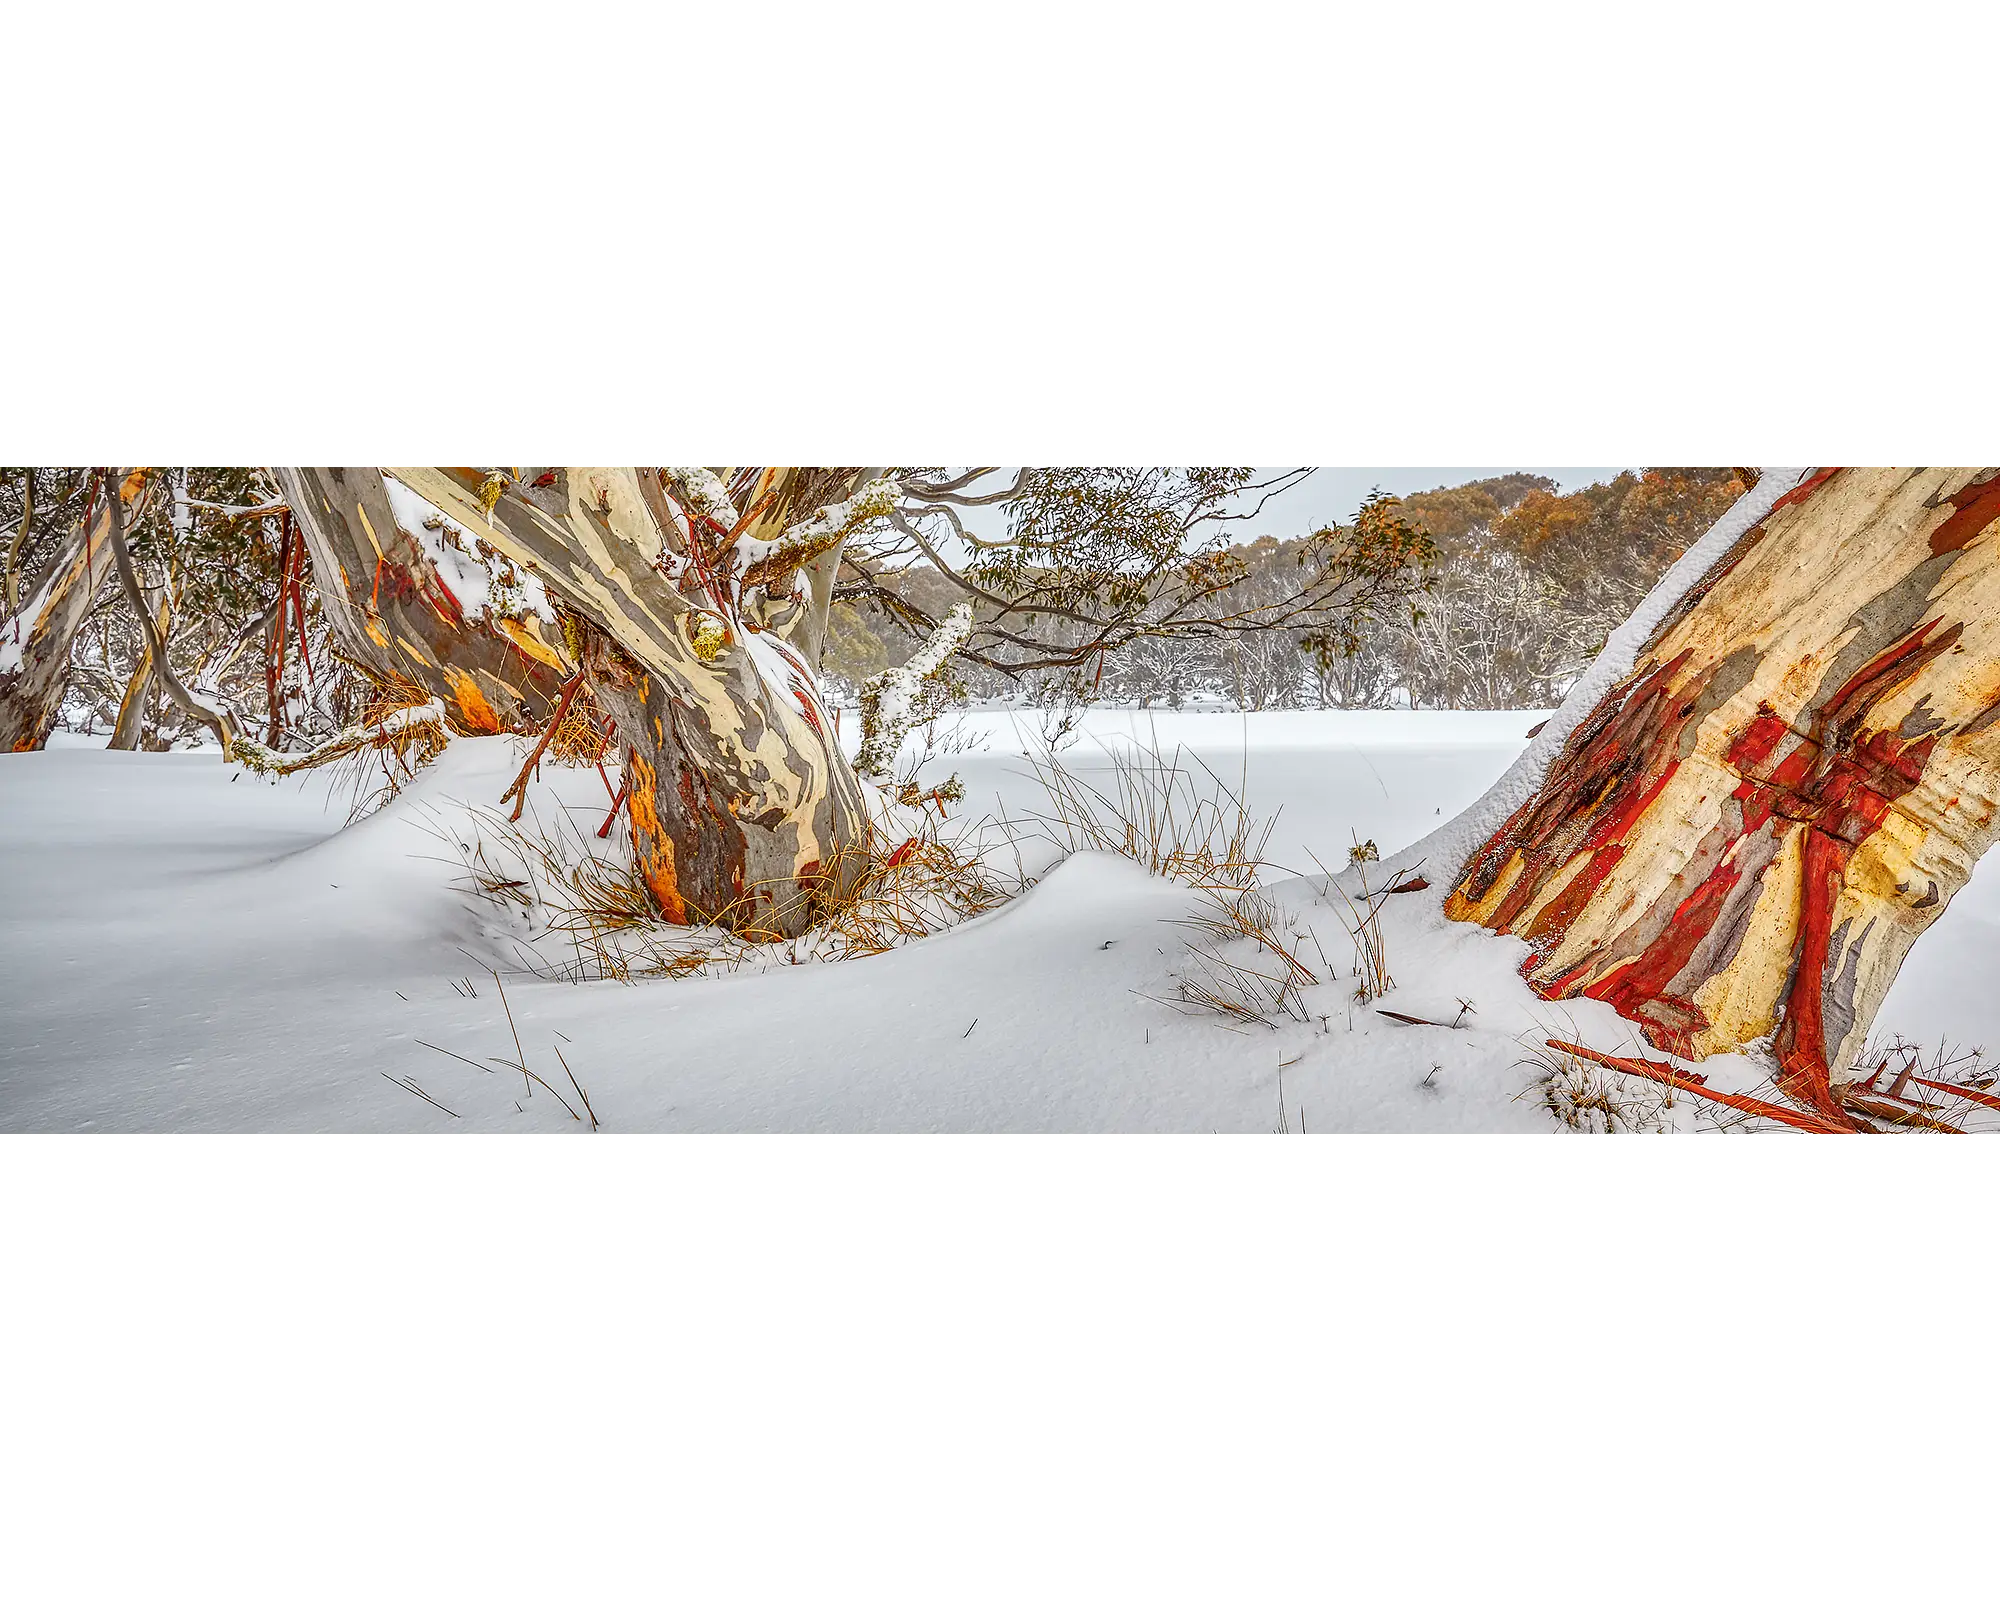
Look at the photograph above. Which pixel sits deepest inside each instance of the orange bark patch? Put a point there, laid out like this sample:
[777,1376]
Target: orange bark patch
[472,706]
[523,639]
[655,849]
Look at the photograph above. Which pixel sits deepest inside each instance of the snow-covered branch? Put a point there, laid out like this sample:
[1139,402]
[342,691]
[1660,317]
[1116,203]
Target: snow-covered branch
[702,493]
[892,702]
[770,565]
[391,732]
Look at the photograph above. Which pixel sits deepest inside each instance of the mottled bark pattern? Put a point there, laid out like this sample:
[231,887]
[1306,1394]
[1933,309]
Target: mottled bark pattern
[38,638]
[720,832]
[1747,835]
[741,806]
[384,598]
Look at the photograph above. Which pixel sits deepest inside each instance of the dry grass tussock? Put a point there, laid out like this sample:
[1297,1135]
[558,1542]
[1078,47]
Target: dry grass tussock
[1178,818]
[1284,955]
[583,737]
[1170,813]
[1584,1097]
[1251,960]
[1253,985]
[575,909]
[388,744]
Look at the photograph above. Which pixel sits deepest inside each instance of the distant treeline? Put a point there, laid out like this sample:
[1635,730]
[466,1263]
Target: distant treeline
[1523,588]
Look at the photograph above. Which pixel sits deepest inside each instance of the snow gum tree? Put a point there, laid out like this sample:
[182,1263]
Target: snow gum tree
[42,619]
[694,602]
[1745,834]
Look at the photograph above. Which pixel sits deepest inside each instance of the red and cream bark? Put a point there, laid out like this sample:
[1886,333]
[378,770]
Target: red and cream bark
[1745,835]
[692,600]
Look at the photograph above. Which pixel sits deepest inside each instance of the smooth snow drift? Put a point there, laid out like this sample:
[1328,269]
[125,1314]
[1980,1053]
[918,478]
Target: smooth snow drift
[185,949]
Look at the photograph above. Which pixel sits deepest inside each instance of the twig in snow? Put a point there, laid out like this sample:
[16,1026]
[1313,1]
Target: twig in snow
[517,791]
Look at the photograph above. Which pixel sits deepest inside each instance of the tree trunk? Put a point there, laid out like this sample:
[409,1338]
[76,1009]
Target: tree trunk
[1745,836]
[742,809]
[397,612]
[140,693]
[35,642]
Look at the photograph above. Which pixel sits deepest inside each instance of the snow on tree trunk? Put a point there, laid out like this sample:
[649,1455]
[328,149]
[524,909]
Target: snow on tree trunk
[697,624]
[396,594]
[1743,838]
[35,642]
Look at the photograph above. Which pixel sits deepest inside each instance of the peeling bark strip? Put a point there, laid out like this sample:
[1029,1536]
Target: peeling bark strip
[1746,836]
[35,642]
[392,610]
[700,646]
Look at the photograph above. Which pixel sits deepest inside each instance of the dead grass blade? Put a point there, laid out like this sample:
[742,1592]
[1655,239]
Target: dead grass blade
[411,1085]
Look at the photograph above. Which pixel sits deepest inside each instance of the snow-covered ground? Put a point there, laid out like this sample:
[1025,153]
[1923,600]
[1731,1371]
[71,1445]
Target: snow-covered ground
[183,948]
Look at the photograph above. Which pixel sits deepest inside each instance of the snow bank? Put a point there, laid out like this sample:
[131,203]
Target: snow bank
[182,948]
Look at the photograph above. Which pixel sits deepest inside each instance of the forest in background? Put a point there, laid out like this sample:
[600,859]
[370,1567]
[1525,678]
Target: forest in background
[1523,585]
[1520,586]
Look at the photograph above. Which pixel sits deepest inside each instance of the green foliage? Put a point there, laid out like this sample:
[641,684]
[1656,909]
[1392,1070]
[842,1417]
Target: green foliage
[1490,593]
[1095,559]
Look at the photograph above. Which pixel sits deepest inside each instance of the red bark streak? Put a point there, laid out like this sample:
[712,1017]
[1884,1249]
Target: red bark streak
[1976,508]
[1804,489]
[1991,1102]
[1758,743]
[442,601]
[1639,987]
[1837,781]
[1603,761]
[1802,1065]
